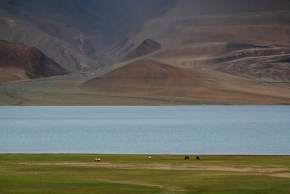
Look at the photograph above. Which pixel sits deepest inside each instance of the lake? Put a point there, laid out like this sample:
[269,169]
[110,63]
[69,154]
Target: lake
[167,130]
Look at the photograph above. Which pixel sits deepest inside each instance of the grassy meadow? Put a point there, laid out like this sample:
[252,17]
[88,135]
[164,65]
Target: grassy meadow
[128,174]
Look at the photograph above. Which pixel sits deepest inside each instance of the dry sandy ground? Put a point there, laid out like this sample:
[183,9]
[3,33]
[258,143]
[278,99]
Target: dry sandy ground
[254,170]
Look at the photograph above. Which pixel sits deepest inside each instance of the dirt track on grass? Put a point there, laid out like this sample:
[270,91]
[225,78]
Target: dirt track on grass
[255,170]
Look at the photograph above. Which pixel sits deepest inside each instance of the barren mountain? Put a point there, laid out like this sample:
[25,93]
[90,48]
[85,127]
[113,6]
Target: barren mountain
[153,79]
[222,51]
[245,38]
[144,77]
[19,61]
[75,33]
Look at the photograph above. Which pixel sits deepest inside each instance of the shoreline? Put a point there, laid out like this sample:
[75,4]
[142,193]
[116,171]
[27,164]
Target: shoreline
[144,154]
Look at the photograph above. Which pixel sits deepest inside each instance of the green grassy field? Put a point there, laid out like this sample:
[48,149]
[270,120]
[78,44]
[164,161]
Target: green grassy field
[79,174]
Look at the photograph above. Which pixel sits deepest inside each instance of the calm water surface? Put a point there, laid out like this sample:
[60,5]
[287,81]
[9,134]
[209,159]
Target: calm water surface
[180,129]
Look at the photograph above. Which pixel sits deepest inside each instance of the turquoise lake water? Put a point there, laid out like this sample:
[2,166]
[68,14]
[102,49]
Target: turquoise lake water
[172,129]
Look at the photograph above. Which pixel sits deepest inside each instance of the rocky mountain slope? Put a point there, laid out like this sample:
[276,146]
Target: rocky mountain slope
[150,78]
[245,38]
[235,51]
[144,77]
[148,46]
[19,61]
[75,33]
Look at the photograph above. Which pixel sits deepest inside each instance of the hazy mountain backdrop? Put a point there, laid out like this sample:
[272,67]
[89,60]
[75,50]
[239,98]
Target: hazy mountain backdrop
[145,52]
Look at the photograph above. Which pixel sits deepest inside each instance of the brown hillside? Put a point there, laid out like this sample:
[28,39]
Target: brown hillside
[150,78]
[144,76]
[19,61]
[243,38]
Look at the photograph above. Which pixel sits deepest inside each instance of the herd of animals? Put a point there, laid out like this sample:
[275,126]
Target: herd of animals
[186,157]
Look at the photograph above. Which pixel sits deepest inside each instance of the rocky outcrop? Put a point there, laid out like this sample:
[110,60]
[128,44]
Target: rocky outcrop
[19,61]
[148,46]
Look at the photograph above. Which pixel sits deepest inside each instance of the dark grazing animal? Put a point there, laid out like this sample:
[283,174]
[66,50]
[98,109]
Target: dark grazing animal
[186,158]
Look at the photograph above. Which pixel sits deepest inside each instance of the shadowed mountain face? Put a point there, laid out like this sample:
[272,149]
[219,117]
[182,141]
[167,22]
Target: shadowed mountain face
[19,61]
[148,46]
[75,33]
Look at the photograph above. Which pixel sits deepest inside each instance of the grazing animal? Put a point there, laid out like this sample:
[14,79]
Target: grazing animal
[186,158]
[98,160]
[149,157]
[197,157]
